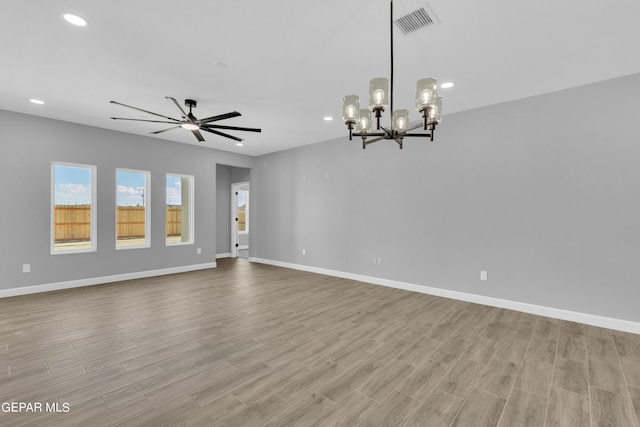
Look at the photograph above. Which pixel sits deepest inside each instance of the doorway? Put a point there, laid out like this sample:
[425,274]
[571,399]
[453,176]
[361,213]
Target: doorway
[240,220]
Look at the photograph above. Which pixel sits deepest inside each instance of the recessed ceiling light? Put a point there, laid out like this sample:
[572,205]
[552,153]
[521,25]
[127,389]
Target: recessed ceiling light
[36,101]
[328,118]
[74,19]
[447,85]
[239,144]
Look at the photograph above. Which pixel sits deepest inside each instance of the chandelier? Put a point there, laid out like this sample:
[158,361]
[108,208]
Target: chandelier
[428,104]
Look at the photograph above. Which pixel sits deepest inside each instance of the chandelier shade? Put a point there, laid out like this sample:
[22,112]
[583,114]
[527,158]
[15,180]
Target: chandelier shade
[364,123]
[426,93]
[350,108]
[435,114]
[379,94]
[400,120]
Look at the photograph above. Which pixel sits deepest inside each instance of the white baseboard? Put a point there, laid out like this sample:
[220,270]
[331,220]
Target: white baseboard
[4,293]
[229,254]
[556,313]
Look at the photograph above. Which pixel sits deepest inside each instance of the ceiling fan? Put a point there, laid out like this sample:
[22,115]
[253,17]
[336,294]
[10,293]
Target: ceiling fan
[190,122]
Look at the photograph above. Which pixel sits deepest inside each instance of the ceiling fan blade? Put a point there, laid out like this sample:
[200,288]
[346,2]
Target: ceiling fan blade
[184,114]
[220,117]
[220,133]
[198,135]
[234,128]
[163,130]
[144,111]
[143,120]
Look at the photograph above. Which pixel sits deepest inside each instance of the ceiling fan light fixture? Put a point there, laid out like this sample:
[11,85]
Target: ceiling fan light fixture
[190,122]
[190,126]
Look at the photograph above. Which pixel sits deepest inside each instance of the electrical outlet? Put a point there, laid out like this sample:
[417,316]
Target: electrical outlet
[379,261]
[304,252]
[199,251]
[484,276]
[26,268]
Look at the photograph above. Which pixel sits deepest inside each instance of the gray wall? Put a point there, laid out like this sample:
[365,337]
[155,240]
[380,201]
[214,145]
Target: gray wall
[225,176]
[543,193]
[29,144]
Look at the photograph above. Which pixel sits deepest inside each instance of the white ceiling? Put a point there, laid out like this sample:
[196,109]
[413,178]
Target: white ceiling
[289,62]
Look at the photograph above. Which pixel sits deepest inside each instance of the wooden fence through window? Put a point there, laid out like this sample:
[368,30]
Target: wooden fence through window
[72,223]
[174,221]
[242,219]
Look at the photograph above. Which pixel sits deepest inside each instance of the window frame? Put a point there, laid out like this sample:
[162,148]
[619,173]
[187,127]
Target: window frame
[147,211]
[93,218]
[190,212]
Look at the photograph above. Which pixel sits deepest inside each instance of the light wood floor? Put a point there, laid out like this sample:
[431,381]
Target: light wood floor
[250,344]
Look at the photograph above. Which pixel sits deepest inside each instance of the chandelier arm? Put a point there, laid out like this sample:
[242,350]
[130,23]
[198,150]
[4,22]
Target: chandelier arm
[378,112]
[371,141]
[426,112]
[368,134]
[365,142]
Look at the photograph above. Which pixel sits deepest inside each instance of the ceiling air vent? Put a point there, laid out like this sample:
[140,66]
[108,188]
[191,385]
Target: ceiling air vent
[416,20]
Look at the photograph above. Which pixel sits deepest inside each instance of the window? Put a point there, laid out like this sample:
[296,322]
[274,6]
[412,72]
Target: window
[73,208]
[243,211]
[179,209]
[133,219]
